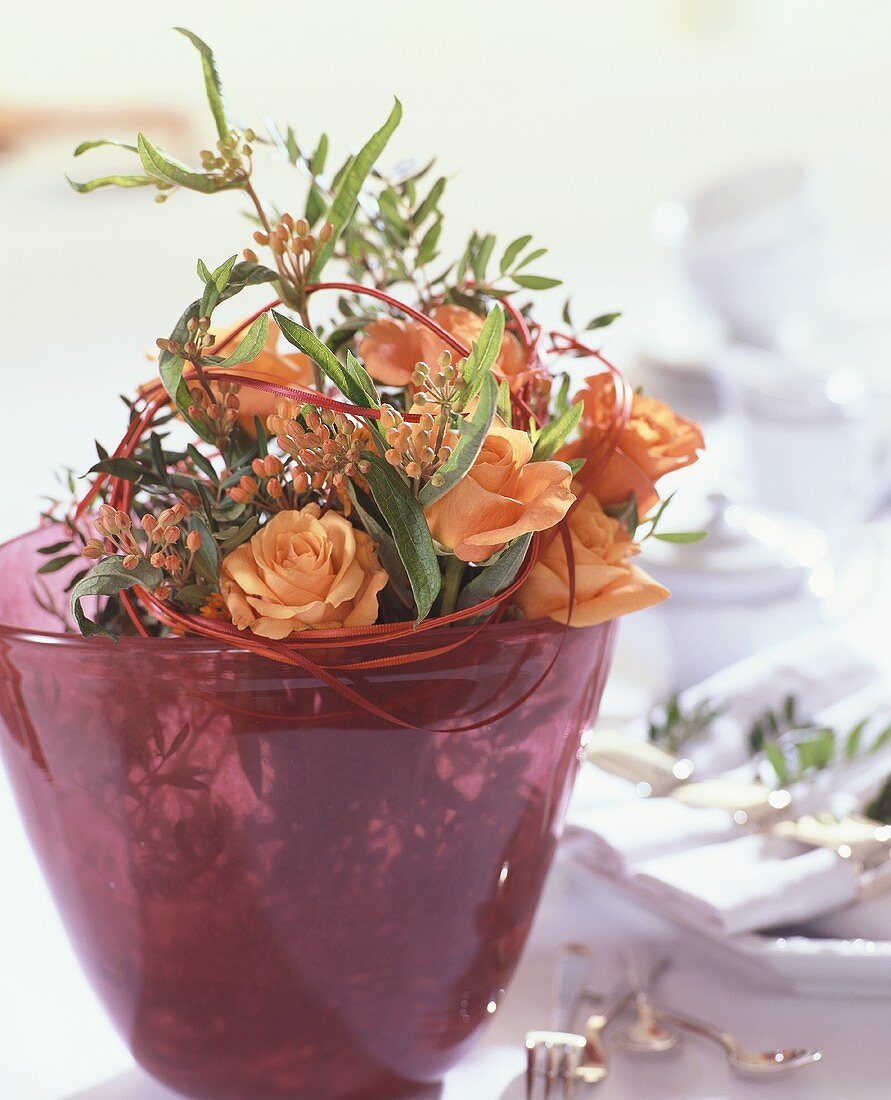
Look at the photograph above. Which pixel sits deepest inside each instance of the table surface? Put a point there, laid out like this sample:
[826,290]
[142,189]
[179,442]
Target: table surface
[58,1045]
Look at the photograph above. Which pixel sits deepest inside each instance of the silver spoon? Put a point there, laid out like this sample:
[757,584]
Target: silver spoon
[645,1034]
[745,1062]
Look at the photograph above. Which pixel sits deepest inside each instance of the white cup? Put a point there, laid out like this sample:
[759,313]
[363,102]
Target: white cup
[756,250]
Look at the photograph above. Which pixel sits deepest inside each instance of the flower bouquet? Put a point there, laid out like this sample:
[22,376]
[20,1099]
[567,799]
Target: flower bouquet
[363,555]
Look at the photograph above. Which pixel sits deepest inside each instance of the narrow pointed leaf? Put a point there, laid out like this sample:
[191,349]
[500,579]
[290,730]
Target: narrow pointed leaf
[473,430]
[109,181]
[163,167]
[429,204]
[535,282]
[251,345]
[100,142]
[212,83]
[512,251]
[352,380]
[347,194]
[171,366]
[555,433]
[405,518]
[483,353]
[207,559]
[494,578]
[107,578]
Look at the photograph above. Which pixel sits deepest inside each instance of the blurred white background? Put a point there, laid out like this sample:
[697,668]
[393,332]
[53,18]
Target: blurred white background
[575,121]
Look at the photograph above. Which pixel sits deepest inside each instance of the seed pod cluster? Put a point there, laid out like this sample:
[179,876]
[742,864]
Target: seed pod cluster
[417,449]
[326,445]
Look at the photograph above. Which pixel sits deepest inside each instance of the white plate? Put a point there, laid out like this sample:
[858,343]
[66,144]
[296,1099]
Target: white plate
[809,965]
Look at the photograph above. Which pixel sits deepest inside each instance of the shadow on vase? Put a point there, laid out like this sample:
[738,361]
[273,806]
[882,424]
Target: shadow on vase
[135,1085]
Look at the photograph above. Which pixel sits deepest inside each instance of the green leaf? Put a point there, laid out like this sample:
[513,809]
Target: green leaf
[207,559]
[110,181]
[405,518]
[556,432]
[816,752]
[204,272]
[512,251]
[162,167]
[680,536]
[340,212]
[881,740]
[107,578]
[576,464]
[239,535]
[535,282]
[251,345]
[55,548]
[503,408]
[602,321]
[158,459]
[171,366]
[203,464]
[364,380]
[386,548]
[530,258]
[98,143]
[319,157]
[212,84]
[352,380]
[626,513]
[483,353]
[852,741]
[482,256]
[497,574]
[56,564]
[127,469]
[777,761]
[472,434]
[223,274]
[429,204]
[427,247]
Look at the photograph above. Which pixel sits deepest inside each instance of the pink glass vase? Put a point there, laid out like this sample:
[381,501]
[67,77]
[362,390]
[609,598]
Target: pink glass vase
[274,893]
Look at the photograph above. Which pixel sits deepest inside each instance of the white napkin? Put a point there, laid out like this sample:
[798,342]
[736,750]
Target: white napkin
[748,883]
[613,838]
[699,862]
[817,668]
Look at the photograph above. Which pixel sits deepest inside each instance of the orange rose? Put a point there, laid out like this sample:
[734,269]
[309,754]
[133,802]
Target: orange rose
[391,348]
[654,442]
[502,496]
[293,369]
[606,583]
[303,571]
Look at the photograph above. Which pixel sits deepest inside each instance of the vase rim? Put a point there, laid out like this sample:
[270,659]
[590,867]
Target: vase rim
[12,632]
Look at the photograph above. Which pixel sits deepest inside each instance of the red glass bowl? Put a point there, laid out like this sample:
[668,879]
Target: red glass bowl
[274,893]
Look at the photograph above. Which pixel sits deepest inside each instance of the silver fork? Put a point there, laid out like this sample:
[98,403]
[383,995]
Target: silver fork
[553,1055]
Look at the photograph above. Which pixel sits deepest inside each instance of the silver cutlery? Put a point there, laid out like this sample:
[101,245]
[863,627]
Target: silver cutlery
[553,1055]
[645,1034]
[745,1062]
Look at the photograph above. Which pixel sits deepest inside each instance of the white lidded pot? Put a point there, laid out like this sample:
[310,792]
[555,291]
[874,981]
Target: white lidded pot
[756,579]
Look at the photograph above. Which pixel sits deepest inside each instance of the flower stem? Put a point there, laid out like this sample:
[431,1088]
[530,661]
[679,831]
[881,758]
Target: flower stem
[453,574]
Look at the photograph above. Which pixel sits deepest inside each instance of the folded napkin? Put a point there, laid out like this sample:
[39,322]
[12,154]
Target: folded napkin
[612,839]
[817,668]
[749,883]
[697,861]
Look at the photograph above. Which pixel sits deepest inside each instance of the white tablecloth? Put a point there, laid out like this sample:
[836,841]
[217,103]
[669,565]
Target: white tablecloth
[55,1043]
